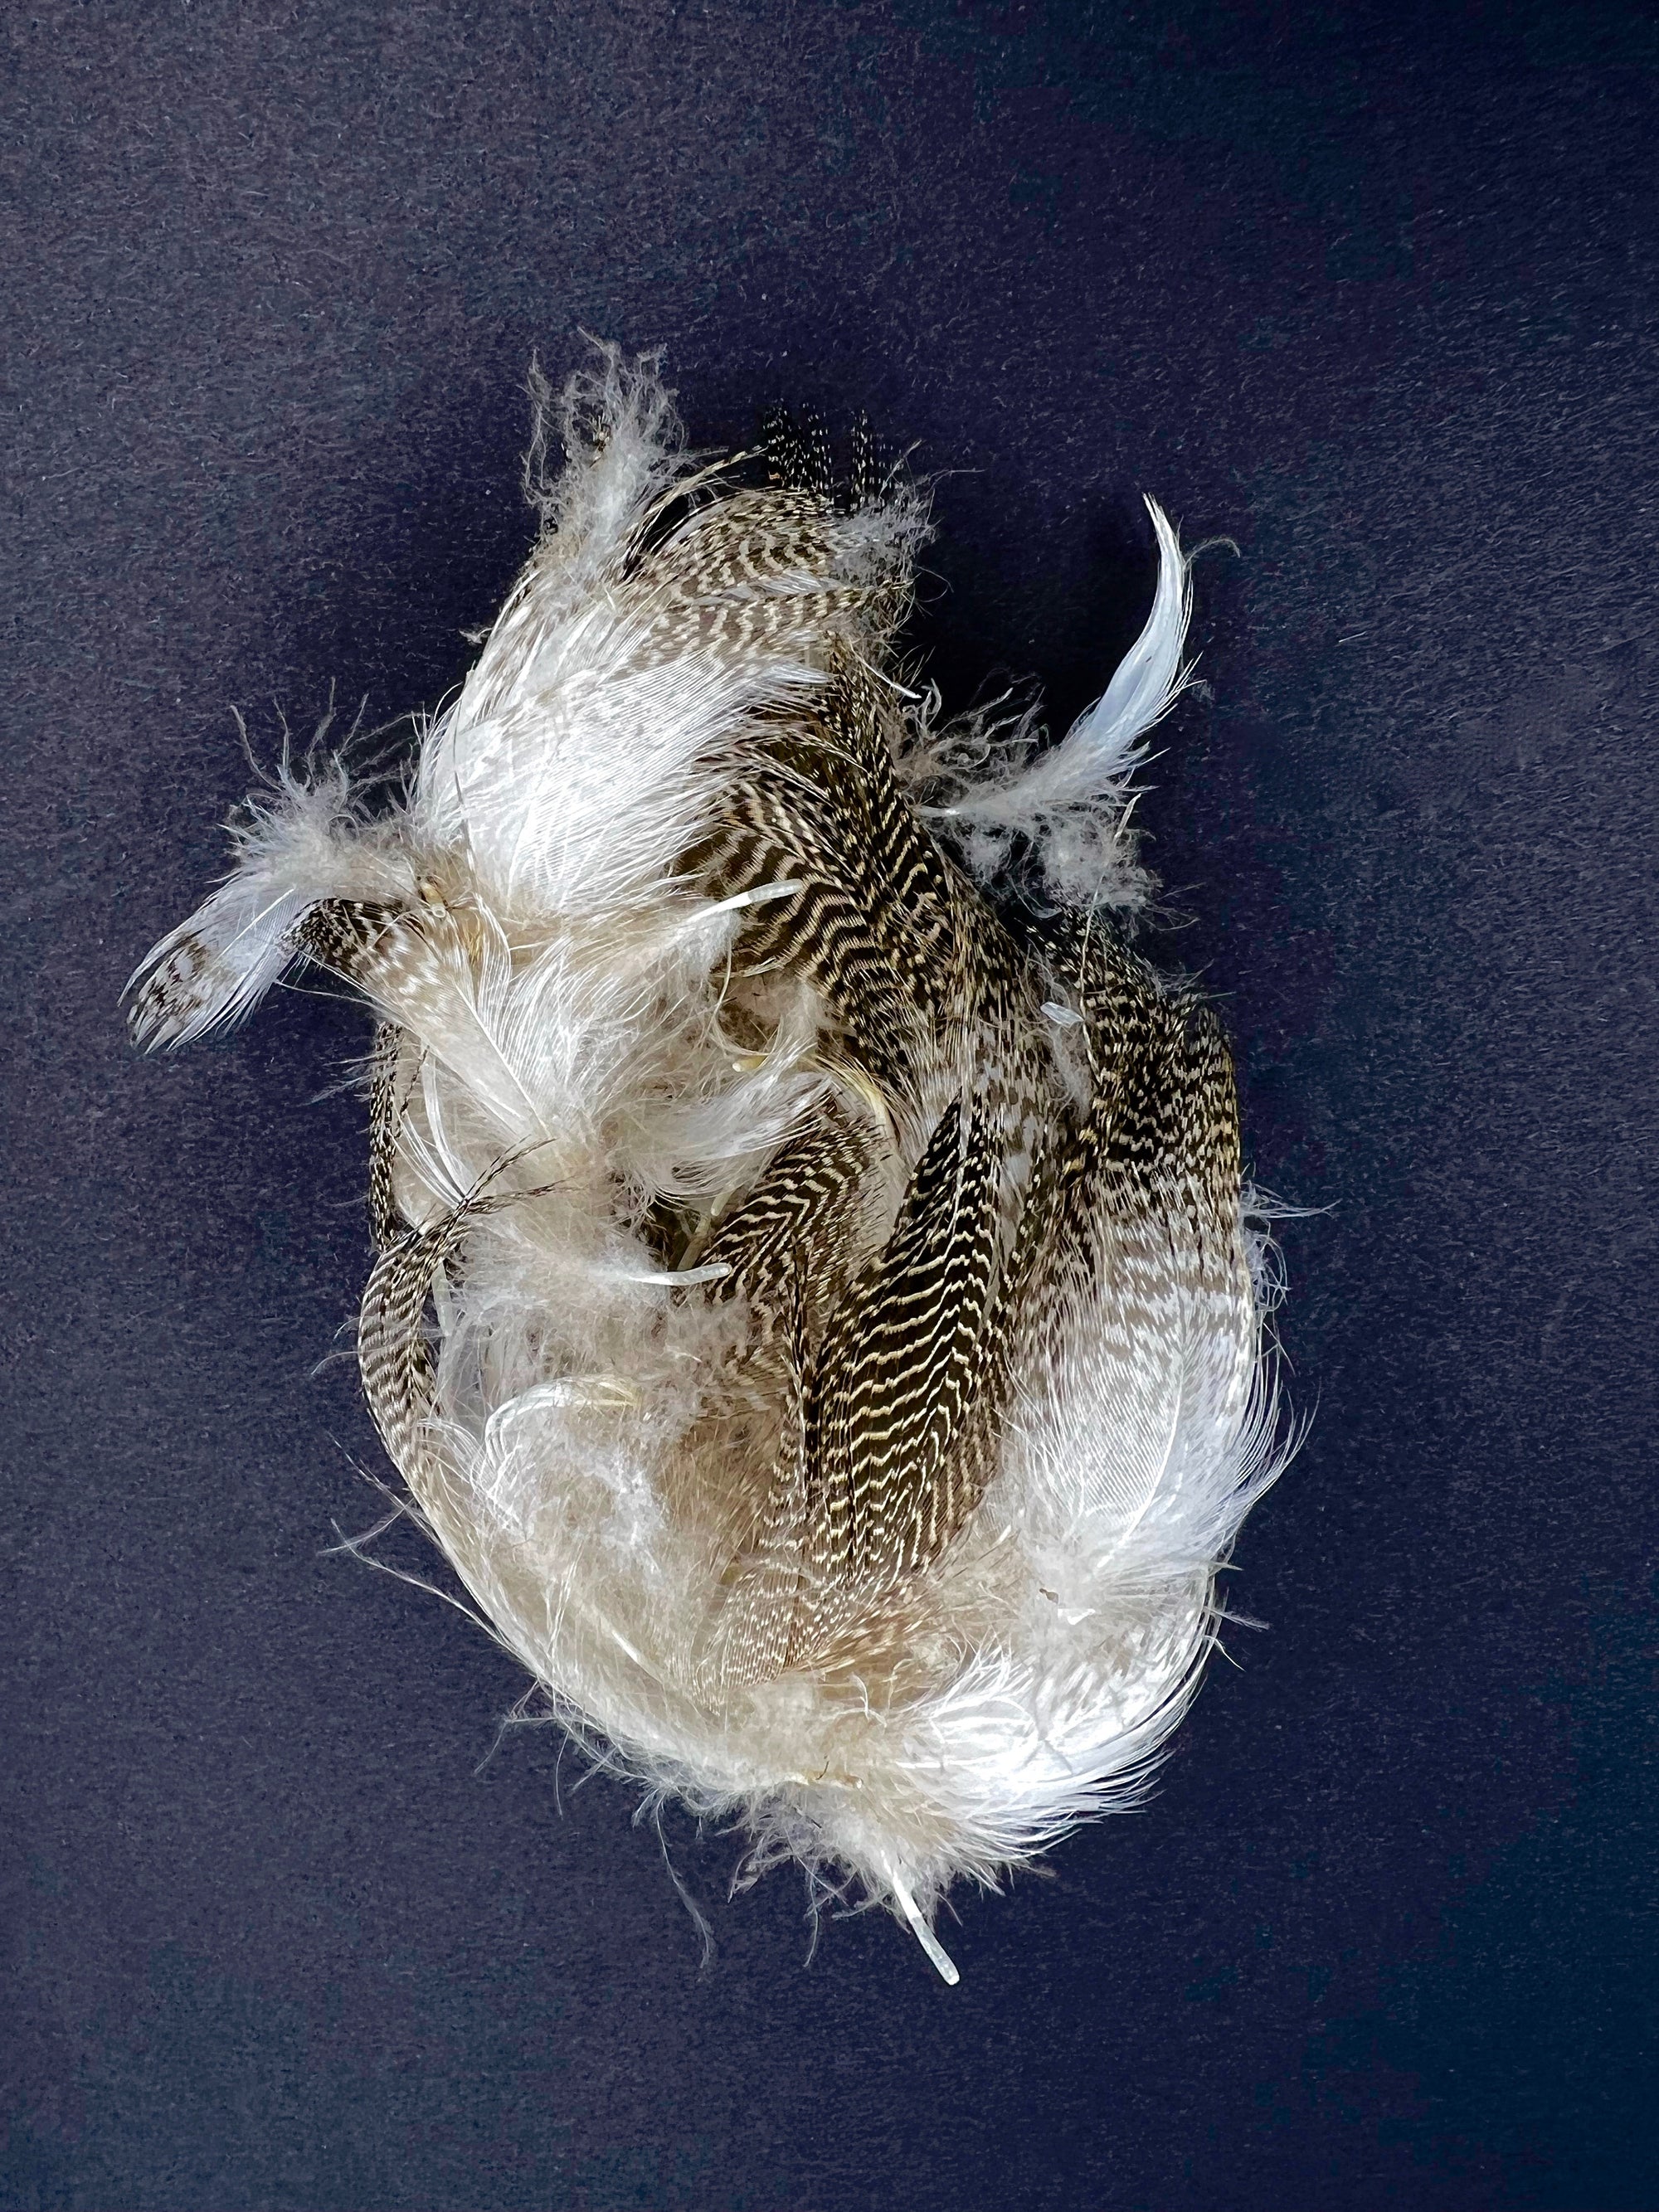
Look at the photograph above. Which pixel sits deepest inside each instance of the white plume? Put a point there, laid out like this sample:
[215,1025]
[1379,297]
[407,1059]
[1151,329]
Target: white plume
[1071,801]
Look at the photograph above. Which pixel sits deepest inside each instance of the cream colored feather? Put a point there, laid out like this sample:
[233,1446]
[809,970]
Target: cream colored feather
[814,1311]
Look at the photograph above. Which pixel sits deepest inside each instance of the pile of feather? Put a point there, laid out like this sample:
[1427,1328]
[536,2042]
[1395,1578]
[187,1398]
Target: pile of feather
[814,1307]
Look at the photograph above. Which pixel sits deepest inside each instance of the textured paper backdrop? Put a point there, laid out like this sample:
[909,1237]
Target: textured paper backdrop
[1369,290]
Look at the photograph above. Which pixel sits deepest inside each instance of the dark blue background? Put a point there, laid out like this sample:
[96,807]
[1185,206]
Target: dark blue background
[1370,290]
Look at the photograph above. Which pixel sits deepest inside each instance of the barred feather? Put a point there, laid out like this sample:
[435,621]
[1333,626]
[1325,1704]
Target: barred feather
[813,1308]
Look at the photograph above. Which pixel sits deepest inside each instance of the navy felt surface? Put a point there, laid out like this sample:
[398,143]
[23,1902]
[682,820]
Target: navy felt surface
[1369,291]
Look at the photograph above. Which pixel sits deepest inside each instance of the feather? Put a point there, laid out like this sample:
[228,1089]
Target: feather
[815,1310]
[1071,802]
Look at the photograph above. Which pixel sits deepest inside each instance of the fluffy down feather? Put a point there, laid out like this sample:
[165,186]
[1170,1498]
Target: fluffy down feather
[813,1310]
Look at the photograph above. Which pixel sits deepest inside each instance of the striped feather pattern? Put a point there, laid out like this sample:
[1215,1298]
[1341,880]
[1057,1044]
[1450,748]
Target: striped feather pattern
[812,1304]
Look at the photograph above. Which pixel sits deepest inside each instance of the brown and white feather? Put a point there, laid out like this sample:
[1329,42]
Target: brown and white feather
[812,1306]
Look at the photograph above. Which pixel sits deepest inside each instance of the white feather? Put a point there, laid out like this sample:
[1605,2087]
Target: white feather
[1071,802]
